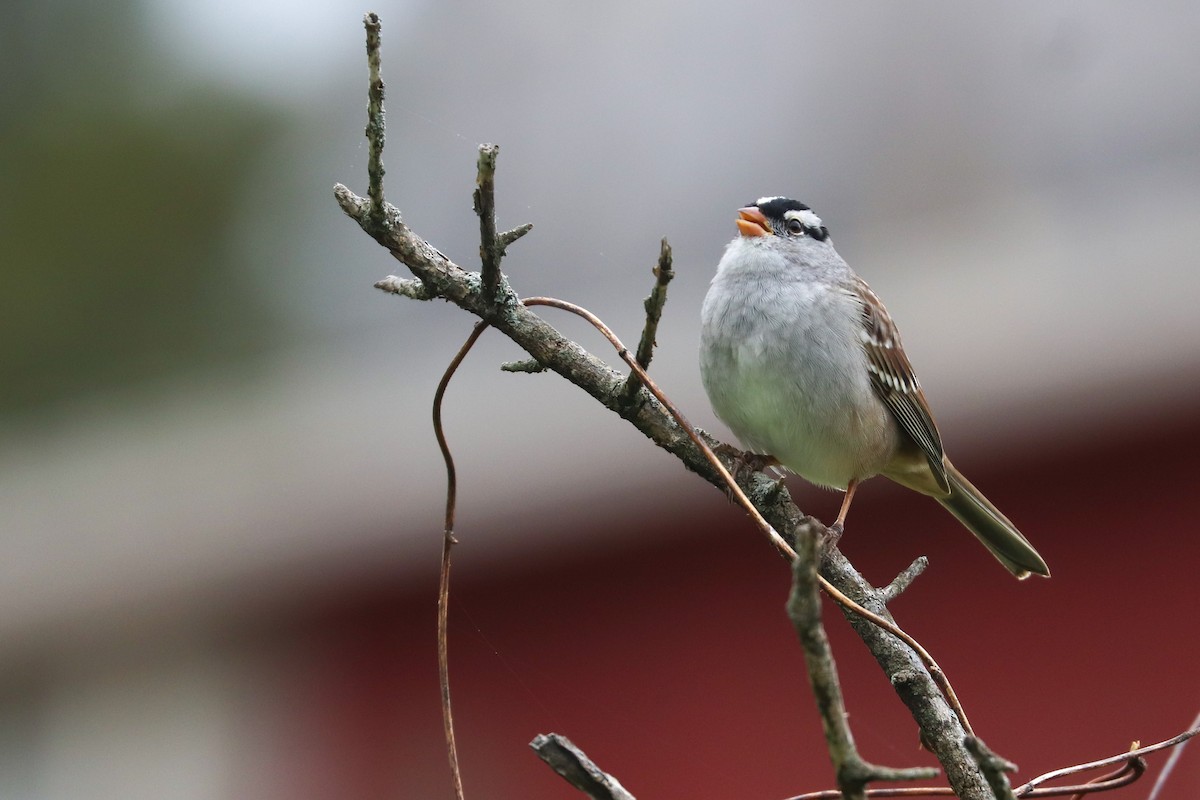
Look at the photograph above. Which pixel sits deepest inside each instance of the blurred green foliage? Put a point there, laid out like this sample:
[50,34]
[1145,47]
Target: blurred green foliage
[120,198]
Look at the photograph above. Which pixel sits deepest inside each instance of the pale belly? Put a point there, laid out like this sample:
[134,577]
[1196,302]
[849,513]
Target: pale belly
[787,396]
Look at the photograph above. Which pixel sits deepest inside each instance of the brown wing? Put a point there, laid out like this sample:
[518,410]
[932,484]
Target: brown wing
[896,384]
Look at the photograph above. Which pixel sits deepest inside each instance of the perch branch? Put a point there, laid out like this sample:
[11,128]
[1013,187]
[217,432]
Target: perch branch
[577,769]
[916,677]
[440,277]
[677,416]
[443,278]
[854,767]
[852,607]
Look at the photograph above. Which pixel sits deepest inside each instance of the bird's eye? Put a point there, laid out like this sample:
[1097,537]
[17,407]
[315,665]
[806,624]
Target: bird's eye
[795,227]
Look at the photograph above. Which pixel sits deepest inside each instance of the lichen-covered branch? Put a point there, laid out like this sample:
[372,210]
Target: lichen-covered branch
[488,296]
[376,128]
[445,279]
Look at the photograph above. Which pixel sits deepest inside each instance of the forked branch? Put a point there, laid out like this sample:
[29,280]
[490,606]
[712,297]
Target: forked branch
[917,678]
[437,276]
[804,609]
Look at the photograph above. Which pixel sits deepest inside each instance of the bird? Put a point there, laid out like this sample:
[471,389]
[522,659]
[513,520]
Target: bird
[803,363]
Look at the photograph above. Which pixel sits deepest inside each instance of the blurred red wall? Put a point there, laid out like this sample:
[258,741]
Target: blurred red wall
[673,666]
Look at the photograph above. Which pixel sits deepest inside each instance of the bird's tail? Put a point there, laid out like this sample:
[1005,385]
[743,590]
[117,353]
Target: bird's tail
[991,527]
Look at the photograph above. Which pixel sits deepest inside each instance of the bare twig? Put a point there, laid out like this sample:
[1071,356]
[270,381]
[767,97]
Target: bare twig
[580,771]
[671,431]
[804,609]
[1124,776]
[448,542]
[376,123]
[911,669]
[654,307]
[1169,767]
[440,277]
[1127,774]
[1029,789]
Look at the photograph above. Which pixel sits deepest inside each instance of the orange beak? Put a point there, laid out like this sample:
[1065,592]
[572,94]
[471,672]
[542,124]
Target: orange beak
[751,222]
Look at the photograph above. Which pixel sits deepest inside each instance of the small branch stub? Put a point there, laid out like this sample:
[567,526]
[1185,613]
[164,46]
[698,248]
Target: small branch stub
[654,308]
[490,249]
[511,235]
[577,769]
[527,365]
[663,273]
[902,581]
[406,287]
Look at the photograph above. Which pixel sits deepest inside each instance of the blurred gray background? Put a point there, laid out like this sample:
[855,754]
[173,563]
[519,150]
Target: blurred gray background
[206,410]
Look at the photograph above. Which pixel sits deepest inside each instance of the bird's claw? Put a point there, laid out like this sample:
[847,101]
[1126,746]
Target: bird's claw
[833,533]
[744,461]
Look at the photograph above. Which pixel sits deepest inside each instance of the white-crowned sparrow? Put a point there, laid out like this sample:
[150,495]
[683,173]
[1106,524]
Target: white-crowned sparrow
[803,363]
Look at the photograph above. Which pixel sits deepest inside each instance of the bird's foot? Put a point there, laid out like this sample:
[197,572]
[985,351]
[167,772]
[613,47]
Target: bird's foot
[833,534]
[745,461]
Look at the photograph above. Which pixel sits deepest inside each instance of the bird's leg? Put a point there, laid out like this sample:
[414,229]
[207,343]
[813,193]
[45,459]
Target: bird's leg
[841,517]
[839,525]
